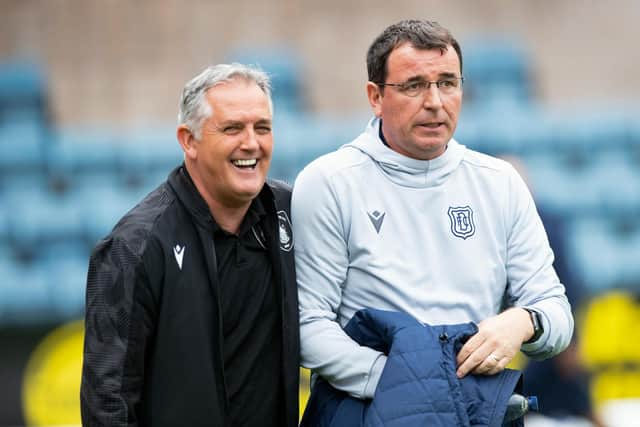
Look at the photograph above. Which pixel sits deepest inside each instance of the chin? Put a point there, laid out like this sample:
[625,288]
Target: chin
[247,193]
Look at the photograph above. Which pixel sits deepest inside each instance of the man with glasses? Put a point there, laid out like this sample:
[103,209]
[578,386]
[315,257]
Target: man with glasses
[404,218]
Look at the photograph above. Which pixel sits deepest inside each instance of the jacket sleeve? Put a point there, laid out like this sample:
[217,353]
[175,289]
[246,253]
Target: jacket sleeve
[118,324]
[321,268]
[532,280]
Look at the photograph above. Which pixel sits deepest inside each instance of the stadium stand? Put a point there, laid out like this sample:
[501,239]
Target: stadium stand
[285,69]
[62,189]
[70,185]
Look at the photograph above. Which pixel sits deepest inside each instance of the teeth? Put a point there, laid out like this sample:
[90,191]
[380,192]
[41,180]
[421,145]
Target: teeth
[243,162]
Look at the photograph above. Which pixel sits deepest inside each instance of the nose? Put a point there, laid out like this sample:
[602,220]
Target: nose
[431,98]
[250,141]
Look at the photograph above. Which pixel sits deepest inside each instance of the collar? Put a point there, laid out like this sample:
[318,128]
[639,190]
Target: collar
[381,135]
[254,215]
[404,170]
[187,193]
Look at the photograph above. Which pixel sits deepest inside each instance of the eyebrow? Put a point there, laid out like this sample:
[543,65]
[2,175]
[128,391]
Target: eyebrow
[445,75]
[264,122]
[449,75]
[239,123]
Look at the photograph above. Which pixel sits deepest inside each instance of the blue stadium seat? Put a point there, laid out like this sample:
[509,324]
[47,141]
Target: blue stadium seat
[605,256]
[560,187]
[66,265]
[78,153]
[5,211]
[39,216]
[501,130]
[22,146]
[285,69]
[301,138]
[25,295]
[497,71]
[102,207]
[22,89]
[616,181]
[148,154]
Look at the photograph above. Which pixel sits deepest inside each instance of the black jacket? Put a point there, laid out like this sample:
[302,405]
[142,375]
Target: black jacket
[153,340]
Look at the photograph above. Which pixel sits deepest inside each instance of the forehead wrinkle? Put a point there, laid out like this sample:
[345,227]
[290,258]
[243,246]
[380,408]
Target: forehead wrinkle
[411,62]
[251,103]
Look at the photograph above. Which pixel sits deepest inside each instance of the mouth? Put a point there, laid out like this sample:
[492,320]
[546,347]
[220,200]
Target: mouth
[431,125]
[245,163]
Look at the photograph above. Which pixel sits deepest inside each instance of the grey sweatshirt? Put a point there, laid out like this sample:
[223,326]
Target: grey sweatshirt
[447,240]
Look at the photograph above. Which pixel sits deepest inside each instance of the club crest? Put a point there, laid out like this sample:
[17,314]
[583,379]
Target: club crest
[286,233]
[462,224]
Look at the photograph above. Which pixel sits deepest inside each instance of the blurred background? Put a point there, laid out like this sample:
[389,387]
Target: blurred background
[88,98]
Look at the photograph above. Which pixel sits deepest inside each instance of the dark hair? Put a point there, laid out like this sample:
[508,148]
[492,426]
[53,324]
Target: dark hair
[420,33]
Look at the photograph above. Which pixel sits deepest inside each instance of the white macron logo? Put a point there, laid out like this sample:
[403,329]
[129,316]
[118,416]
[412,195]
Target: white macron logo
[179,253]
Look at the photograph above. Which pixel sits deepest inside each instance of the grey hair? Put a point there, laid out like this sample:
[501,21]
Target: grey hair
[194,110]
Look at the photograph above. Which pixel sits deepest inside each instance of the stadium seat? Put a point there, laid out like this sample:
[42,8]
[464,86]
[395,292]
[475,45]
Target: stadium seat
[301,138]
[561,188]
[606,255]
[102,207]
[78,153]
[5,211]
[39,216]
[617,183]
[66,265]
[22,146]
[25,296]
[285,69]
[148,154]
[22,89]
[497,71]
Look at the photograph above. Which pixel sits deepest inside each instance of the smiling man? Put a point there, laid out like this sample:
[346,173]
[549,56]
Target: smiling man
[191,311]
[404,218]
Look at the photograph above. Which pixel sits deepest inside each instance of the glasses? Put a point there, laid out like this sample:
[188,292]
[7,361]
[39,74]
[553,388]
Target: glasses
[414,88]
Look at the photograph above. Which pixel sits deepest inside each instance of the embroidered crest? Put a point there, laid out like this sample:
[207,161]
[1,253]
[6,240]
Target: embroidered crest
[286,233]
[461,219]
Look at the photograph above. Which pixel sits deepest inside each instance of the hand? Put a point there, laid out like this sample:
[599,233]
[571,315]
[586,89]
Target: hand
[498,340]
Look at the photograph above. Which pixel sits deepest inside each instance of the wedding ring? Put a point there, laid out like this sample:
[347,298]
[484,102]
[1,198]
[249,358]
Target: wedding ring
[494,357]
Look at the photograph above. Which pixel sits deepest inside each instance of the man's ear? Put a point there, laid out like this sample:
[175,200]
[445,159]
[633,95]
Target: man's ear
[375,98]
[187,142]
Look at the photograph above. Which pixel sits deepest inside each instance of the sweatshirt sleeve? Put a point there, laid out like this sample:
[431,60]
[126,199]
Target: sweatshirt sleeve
[322,260]
[532,280]
[118,326]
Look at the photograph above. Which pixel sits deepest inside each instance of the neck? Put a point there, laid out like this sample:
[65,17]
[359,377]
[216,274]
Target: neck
[228,216]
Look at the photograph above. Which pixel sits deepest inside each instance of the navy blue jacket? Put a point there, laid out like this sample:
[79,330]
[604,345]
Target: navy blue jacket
[418,386]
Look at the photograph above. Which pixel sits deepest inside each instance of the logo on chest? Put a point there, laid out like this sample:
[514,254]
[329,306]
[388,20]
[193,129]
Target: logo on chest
[178,252]
[376,218]
[461,219]
[285,231]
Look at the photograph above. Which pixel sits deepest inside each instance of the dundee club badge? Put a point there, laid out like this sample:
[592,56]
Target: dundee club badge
[462,224]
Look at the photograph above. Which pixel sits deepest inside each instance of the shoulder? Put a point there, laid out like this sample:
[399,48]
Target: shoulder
[333,164]
[281,191]
[136,228]
[279,187]
[484,162]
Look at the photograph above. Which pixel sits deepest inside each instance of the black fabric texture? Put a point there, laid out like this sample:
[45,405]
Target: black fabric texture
[251,315]
[154,325]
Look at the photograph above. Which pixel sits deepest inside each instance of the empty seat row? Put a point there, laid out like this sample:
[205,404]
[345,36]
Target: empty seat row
[48,290]
[605,253]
